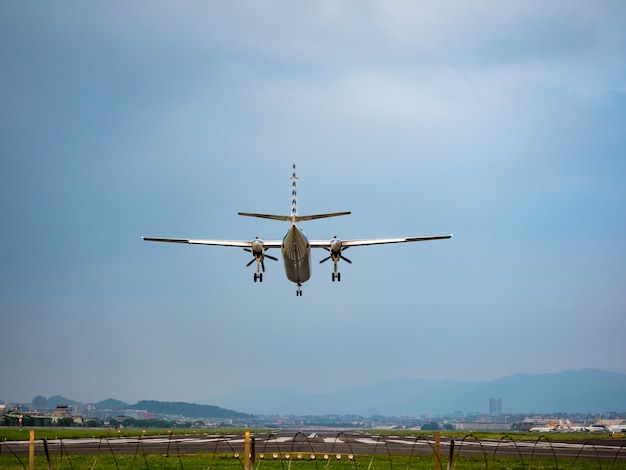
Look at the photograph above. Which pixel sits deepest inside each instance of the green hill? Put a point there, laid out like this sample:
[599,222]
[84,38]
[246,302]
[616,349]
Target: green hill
[111,404]
[189,410]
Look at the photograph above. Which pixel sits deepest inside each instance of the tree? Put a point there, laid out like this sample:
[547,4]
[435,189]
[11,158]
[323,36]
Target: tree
[65,422]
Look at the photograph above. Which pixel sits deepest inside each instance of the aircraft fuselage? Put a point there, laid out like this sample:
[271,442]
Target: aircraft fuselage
[296,252]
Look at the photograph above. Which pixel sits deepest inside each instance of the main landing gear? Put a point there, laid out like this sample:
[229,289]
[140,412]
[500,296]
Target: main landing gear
[258,254]
[335,250]
[299,291]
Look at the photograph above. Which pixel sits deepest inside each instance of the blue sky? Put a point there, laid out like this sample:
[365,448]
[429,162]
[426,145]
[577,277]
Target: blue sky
[502,123]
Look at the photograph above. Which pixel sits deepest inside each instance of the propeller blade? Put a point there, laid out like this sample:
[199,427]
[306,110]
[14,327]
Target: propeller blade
[271,257]
[346,260]
[248,250]
[325,259]
[253,260]
[262,265]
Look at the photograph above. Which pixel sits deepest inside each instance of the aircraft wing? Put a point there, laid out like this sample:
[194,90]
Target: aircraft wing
[238,243]
[376,241]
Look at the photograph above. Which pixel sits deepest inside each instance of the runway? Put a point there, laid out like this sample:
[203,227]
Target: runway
[319,446]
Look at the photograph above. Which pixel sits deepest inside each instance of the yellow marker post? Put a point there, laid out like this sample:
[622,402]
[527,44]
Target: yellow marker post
[31,452]
[246,451]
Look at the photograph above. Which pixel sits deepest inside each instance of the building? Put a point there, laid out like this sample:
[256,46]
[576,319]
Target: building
[495,406]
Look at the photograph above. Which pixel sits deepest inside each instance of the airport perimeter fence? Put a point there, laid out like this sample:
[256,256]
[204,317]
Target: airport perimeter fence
[297,451]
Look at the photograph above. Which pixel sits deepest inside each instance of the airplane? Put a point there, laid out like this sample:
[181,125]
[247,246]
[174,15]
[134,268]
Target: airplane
[570,427]
[295,246]
[597,428]
[545,428]
[618,427]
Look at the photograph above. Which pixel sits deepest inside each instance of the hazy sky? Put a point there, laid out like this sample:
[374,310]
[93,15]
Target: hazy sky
[503,123]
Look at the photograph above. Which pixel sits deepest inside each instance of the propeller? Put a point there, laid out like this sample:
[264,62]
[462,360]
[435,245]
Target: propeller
[262,263]
[258,252]
[340,256]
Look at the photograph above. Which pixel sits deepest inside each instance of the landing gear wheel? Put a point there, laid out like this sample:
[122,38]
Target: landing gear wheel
[338,277]
[260,277]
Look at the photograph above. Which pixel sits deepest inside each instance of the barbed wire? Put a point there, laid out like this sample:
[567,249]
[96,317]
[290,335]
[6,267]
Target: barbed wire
[342,450]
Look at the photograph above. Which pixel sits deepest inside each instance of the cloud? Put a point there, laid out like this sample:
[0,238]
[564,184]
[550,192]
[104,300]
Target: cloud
[501,123]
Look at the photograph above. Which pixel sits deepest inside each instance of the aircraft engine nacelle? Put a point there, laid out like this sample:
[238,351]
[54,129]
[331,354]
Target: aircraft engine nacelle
[335,249]
[257,248]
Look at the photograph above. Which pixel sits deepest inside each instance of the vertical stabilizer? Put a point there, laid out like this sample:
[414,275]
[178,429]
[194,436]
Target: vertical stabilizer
[294,218]
[294,193]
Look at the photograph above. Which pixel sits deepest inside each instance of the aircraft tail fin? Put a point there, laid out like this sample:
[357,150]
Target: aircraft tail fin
[294,192]
[294,218]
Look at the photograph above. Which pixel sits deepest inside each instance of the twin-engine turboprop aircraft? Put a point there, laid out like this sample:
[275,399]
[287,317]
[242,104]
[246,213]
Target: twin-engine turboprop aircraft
[295,246]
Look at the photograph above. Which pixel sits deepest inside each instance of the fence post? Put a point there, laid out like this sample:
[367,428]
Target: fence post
[437,450]
[45,449]
[252,450]
[31,450]
[451,454]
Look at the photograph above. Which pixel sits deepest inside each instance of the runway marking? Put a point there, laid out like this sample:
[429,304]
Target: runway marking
[407,442]
[279,439]
[369,440]
[332,440]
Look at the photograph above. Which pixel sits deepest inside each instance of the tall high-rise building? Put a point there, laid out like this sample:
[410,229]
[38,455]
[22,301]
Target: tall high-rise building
[495,406]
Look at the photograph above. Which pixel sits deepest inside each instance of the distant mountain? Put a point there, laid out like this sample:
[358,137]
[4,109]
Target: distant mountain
[189,410]
[587,390]
[56,400]
[111,404]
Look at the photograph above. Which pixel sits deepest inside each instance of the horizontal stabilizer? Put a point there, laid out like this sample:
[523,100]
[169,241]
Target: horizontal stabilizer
[294,218]
[284,218]
[320,216]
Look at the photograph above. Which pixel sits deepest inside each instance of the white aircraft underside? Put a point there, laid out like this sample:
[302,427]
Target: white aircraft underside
[295,246]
